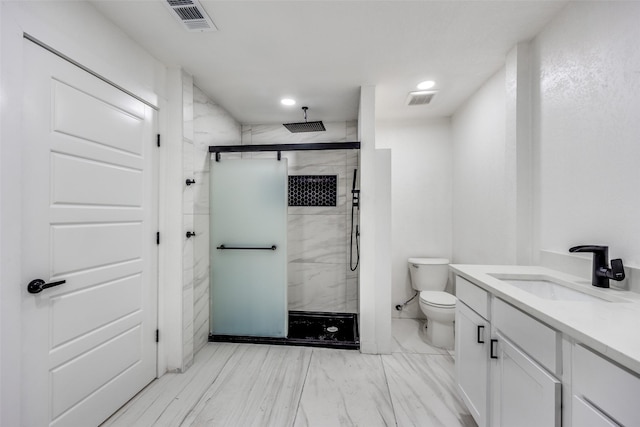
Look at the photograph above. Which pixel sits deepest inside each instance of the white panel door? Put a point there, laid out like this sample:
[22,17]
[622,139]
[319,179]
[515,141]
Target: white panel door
[90,216]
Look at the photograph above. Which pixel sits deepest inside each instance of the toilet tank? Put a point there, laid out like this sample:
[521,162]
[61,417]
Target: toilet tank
[429,274]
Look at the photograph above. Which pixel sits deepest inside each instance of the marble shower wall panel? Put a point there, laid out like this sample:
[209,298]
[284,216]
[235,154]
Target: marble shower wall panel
[318,236]
[201,190]
[212,125]
[188,173]
[317,287]
[352,305]
[278,134]
[187,221]
[187,106]
[201,281]
[187,262]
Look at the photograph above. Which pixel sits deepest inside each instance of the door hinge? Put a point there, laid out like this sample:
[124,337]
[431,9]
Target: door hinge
[157,238]
[157,335]
[158,140]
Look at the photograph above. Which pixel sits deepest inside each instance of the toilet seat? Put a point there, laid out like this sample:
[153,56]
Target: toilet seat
[438,299]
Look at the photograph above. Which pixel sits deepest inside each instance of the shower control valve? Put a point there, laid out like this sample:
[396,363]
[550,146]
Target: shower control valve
[355,195]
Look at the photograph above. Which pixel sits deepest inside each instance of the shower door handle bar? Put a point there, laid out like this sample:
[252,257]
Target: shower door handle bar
[255,248]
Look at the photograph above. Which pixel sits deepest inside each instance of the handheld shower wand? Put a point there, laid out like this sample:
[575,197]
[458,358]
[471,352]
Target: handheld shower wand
[355,197]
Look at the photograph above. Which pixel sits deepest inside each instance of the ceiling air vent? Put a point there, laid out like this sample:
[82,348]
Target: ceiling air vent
[421,97]
[192,15]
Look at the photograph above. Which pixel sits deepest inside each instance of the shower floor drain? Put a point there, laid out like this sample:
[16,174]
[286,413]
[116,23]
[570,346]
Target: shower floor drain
[332,329]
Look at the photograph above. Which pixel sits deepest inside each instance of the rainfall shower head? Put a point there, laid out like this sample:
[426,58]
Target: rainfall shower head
[305,126]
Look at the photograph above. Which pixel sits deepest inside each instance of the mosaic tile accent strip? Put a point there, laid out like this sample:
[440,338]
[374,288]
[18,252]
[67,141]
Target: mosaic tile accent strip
[313,190]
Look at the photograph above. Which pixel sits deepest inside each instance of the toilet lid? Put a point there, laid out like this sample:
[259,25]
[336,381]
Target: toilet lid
[438,298]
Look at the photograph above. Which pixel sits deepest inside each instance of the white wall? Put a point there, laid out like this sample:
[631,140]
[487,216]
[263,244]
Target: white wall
[77,30]
[575,111]
[374,288]
[421,199]
[482,205]
[586,127]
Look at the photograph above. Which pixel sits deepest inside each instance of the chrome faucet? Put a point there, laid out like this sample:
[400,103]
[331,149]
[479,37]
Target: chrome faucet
[601,271]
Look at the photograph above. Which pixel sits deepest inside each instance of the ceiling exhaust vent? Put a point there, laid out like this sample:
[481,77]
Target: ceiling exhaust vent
[421,97]
[192,15]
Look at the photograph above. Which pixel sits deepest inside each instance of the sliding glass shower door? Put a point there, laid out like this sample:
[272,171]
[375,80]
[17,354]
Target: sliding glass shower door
[249,247]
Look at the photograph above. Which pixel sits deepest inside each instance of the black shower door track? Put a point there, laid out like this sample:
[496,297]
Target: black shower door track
[282,147]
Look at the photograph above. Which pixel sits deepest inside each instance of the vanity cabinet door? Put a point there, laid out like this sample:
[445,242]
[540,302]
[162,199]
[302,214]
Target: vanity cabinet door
[523,393]
[472,361]
[586,415]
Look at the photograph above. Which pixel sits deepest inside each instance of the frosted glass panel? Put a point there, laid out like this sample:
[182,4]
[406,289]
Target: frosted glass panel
[249,214]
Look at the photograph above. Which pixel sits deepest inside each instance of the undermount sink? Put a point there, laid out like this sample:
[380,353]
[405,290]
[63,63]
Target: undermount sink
[553,289]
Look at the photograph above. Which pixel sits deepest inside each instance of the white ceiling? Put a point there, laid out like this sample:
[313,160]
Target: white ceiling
[321,52]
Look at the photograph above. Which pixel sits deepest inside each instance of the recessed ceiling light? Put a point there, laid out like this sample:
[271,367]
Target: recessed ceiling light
[288,101]
[426,85]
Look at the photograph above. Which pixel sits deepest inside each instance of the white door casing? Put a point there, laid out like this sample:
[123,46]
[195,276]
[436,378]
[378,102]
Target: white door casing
[90,218]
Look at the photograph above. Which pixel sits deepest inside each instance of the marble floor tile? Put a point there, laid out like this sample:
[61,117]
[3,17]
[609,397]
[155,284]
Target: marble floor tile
[345,388]
[259,386]
[423,391]
[167,400]
[262,385]
[408,336]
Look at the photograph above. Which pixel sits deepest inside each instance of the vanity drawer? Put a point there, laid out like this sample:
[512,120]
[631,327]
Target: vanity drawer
[610,388]
[537,339]
[472,295]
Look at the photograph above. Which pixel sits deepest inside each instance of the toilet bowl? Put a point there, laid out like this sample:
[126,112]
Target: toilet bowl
[429,278]
[440,317]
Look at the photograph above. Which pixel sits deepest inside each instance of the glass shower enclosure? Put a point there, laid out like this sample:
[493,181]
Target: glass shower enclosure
[249,247]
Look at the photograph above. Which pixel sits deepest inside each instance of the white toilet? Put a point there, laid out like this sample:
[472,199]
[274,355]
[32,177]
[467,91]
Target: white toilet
[429,277]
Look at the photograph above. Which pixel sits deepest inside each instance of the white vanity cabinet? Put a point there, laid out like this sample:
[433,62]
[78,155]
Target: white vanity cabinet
[537,357]
[505,361]
[604,394]
[472,361]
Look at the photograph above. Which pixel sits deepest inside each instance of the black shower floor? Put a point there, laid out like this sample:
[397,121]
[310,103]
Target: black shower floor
[311,329]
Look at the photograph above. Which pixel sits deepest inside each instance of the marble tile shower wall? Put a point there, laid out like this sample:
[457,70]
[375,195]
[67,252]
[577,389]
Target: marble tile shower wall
[187,222]
[318,237]
[212,125]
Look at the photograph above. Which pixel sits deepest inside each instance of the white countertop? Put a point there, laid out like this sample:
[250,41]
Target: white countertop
[610,328]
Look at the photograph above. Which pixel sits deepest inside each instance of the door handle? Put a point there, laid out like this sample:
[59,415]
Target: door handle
[478,339]
[493,356]
[38,285]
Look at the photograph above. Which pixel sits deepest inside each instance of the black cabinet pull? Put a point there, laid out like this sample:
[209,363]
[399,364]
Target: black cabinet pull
[38,285]
[478,339]
[493,356]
